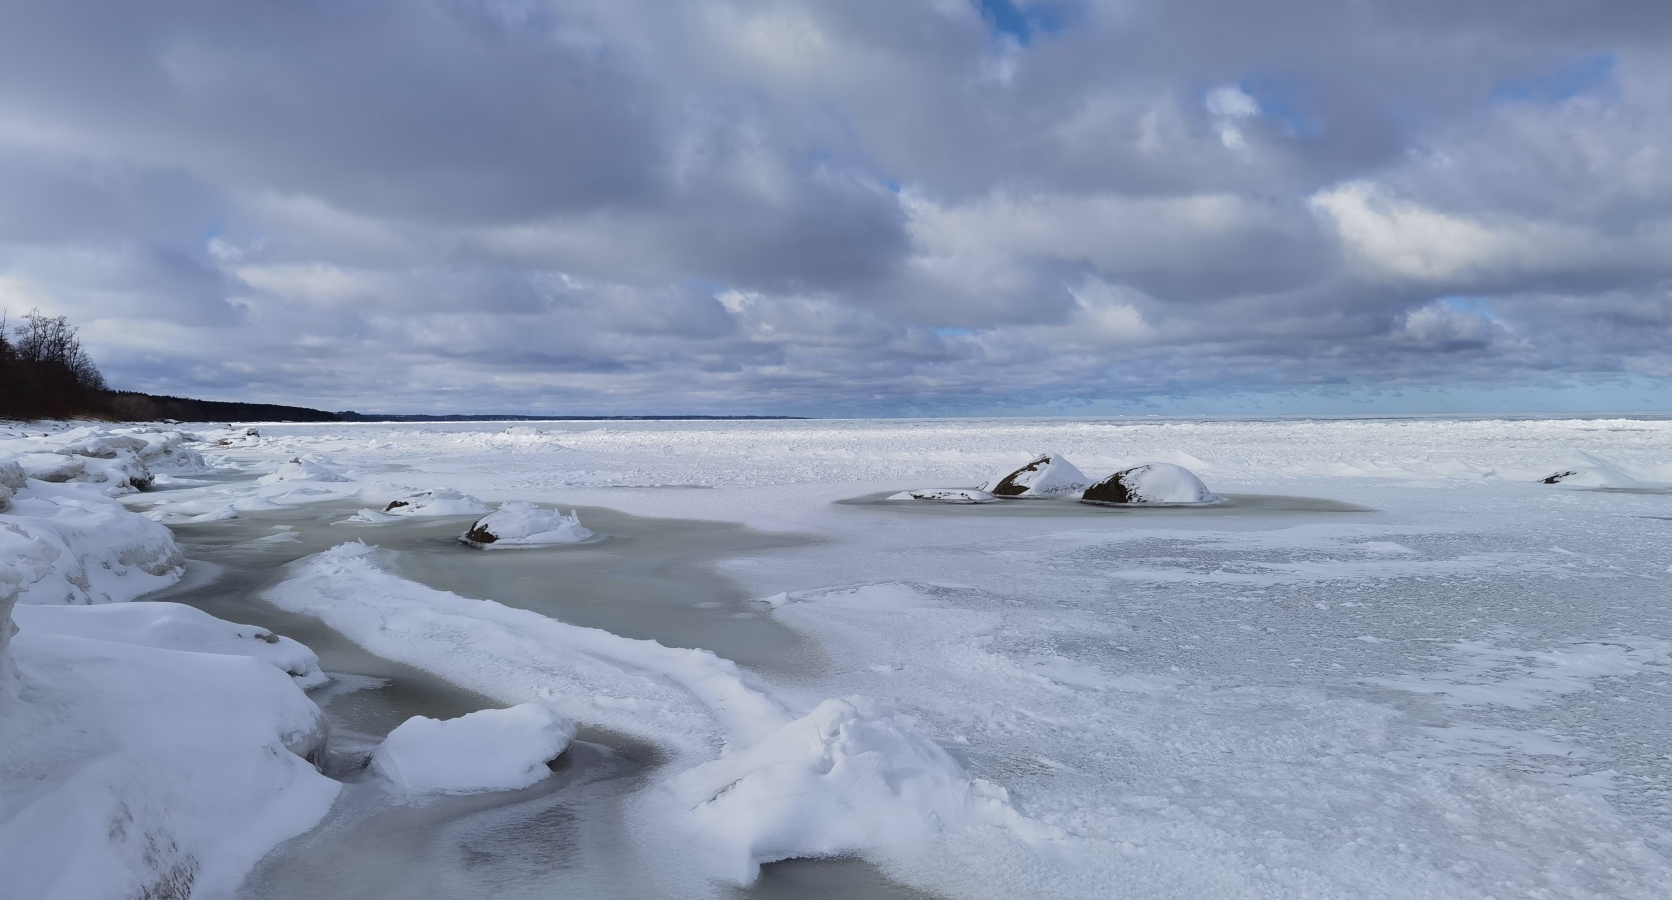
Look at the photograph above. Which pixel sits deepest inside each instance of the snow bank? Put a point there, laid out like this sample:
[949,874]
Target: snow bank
[132,771]
[946,495]
[1048,475]
[518,523]
[489,750]
[71,544]
[1584,470]
[175,626]
[691,701]
[1151,484]
[846,778]
[436,502]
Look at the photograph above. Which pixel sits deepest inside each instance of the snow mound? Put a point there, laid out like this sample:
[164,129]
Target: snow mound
[299,469]
[1151,484]
[946,495]
[490,750]
[437,502]
[519,523]
[137,772]
[846,778]
[1048,475]
[175,626]
[72,544]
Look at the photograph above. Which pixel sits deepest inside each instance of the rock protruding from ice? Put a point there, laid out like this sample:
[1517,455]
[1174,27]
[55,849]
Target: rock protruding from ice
[489,750]
[846,778]
[437,502]
[946,495]
[1151,484]
[299,469]
[519,523]
[1048,475]
[1588,471]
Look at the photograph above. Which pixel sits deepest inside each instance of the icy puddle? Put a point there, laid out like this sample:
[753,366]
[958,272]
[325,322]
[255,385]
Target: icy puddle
[567,835]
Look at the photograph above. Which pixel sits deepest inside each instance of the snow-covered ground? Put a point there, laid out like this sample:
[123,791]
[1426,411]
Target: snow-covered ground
[1432,675]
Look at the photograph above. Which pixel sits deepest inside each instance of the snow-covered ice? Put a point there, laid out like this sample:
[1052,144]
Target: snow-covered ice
[1394,662]
[487,750]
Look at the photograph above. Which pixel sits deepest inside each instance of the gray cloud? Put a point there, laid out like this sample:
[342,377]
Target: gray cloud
[820,207]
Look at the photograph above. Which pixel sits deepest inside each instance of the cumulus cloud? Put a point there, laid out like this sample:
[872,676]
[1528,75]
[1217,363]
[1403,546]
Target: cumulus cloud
[818,207]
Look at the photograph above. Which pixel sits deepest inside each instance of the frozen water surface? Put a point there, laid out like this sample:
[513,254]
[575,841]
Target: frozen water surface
[1394,664]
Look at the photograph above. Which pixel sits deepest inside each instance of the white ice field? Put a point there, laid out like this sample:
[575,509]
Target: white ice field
[1393,663]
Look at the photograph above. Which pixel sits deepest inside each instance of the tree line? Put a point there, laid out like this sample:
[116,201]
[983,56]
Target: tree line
[45,373]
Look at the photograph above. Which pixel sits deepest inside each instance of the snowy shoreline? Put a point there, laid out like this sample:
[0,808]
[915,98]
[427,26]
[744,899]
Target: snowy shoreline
[1059,663]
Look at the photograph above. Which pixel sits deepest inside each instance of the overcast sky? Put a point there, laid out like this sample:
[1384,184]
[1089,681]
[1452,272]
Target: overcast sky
[849,207]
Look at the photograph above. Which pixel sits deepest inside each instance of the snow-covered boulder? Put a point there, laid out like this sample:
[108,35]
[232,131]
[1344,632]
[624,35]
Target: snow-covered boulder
[1048,475]
[946,495]
[299,469]
[519,523]
[1151,484]
[846,778]
[175,626]
[1585,470]
[489,750]
[12,475]
[438,502]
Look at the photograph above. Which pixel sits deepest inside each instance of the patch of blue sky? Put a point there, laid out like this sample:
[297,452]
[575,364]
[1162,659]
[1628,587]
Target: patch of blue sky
[1590,75]
[1022,21]
[1480,306]
[1284,100]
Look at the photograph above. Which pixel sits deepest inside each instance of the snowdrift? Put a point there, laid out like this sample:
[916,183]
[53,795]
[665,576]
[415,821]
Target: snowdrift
[489,750]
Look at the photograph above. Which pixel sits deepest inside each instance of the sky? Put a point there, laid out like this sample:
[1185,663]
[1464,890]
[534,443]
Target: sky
[856,207]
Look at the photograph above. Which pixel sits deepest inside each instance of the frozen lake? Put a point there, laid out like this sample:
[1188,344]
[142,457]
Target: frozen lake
[1395,663]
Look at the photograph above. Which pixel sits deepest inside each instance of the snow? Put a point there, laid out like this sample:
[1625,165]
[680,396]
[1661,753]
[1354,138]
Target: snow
[946,495]
[843,779]
[518,523]
[299,469]
[173,626]
[1047,475]
[1431,674]
[487,750]
[1151,484]
[436,502]
[69,543]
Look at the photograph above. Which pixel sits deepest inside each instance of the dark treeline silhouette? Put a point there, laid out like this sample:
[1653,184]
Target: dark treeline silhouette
[46,374]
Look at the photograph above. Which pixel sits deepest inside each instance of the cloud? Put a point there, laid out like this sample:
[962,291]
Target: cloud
[866,206]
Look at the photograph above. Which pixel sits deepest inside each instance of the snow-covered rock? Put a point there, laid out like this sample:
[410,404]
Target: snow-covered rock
[175,626]
[846,778]
[1585,470]
[12,475]
[946,495]
[1048,475]
[299,469]
[489,750]
[1151,484]
[437,502]
[518,523]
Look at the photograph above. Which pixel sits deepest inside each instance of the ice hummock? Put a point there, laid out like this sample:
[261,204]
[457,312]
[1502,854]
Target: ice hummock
[519,523]
[488,750]
[1151,484]
[436,502]
[1048,475]
[846,778]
